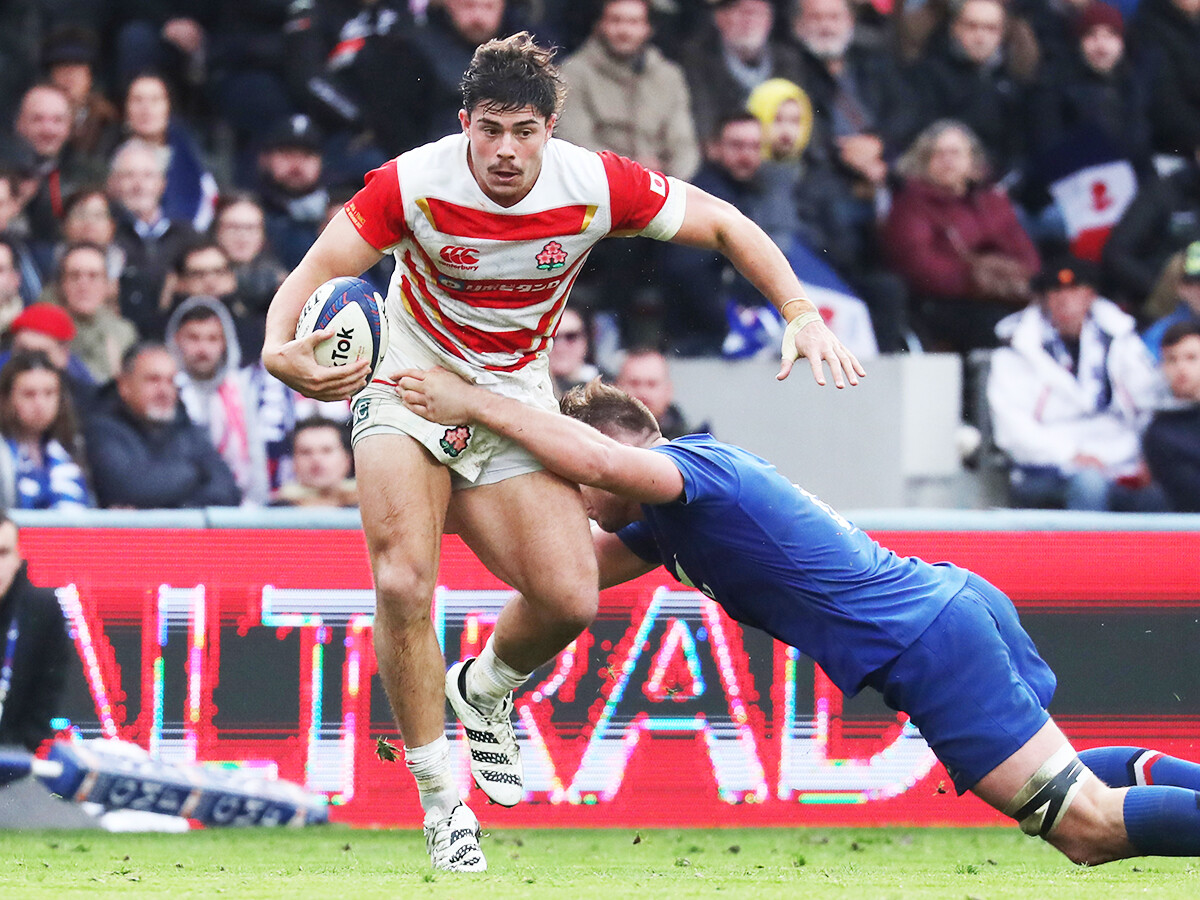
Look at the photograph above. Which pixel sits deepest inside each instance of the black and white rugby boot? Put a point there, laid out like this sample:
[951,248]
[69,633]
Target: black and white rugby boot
[453,840]
[495,756]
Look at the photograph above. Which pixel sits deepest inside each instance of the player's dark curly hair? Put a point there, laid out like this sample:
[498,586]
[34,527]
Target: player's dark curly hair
[511,73]
[610,410]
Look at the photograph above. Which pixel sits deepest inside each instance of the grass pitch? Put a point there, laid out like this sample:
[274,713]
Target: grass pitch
[339,863]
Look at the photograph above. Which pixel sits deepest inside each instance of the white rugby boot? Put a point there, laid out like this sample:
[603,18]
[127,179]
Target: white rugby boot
[495,756]
[453,840]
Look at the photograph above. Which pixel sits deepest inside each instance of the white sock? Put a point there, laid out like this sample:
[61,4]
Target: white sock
[490,678]
[430,766]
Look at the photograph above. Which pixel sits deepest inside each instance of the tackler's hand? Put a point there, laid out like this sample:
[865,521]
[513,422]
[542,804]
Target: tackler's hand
[437,395]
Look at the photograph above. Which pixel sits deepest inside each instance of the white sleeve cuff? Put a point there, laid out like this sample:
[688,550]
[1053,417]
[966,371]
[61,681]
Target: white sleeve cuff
[667,222]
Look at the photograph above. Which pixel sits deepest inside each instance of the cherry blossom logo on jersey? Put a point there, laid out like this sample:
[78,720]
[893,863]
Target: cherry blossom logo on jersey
[553,256]
[461,257]
[455,440]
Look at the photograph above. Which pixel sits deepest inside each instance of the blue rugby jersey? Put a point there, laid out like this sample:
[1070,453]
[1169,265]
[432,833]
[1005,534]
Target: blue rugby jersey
[777,558]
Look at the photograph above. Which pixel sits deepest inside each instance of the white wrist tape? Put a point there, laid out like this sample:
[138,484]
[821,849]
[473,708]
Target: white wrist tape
[788,349]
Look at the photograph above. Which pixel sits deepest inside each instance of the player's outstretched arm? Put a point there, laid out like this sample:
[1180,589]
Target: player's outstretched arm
[339,250]
[713,224]
[563,445]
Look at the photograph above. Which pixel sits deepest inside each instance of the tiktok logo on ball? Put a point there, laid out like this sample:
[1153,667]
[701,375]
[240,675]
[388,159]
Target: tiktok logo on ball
[340,354]
[461,257]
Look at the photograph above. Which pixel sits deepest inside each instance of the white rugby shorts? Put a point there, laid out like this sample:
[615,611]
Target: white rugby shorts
[474,454]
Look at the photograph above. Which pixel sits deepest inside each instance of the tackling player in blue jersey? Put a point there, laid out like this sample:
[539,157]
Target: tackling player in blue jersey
[940,643]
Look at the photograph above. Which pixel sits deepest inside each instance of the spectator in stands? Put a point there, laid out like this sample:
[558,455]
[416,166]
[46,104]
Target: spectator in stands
[321,461]
[646,375]
[569,357]
[41,449]
[293,196]
[1171,442]
[448,40]
[1095,86]
[150,239]
[88,219]
[864,114]
[824,210]
[786,114]
[1089,137]
[46,328]
[965,79]
[352,52]
[191,191]
[1056,25]
[1176,298]
[215,391]
[87,290]
[44,123]
[698,284]
[955,238]
[240,230]
[41,658]
[205,270]
[627,97]
[1070,394]
[169,36]
[1165,35]
[11,303]
[10,222]
[69,56]
[726,62]
[1034,31]
[143,451]
[245,289]
[1163,218]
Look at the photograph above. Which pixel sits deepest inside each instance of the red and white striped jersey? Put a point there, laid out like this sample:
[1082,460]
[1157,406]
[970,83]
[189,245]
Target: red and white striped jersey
[486,284]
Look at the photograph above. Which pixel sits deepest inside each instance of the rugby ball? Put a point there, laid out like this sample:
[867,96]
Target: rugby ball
[356,312]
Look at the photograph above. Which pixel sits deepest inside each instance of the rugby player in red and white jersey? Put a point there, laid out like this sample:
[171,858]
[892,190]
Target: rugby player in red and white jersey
[489,229]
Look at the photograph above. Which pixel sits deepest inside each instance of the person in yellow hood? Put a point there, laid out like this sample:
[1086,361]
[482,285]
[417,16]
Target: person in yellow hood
[786,113]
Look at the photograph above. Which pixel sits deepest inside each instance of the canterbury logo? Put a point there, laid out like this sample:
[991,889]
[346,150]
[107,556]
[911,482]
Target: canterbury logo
[461,257]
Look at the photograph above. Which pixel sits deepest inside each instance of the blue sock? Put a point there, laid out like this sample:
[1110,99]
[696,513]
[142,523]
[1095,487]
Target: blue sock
[1131,766]
[1163,821]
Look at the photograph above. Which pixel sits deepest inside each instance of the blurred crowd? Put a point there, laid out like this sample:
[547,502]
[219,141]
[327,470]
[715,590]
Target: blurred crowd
[1016,181]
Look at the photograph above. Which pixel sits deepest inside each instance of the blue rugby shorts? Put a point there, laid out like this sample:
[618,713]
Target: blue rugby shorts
[973,683]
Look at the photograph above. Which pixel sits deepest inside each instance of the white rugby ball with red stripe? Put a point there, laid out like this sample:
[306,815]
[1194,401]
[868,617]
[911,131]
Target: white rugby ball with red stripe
[355,311]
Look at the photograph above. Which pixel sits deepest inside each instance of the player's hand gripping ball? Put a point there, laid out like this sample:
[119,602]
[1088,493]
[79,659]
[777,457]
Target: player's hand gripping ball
[356,313]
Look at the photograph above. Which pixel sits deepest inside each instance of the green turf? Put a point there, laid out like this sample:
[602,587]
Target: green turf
[337,863]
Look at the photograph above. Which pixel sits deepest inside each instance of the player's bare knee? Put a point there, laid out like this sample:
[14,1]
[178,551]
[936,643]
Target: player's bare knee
[581,604]
[567,613]
[403,593]
[1069,808]
[569,600]
[1042,804]
[579,610]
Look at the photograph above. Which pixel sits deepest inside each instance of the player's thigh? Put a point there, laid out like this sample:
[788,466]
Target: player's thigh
[973,689]
[403,495]
[532,532]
